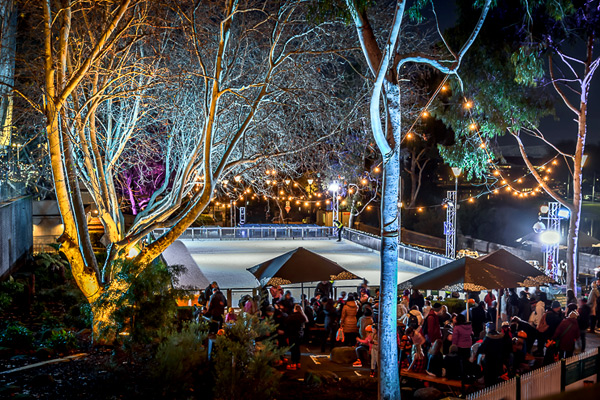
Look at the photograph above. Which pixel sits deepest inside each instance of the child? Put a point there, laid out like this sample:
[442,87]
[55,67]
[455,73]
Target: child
[405,346]
[230,317]
[418,359]
[374,349]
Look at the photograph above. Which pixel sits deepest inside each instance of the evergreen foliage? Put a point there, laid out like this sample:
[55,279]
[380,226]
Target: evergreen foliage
[240,365]
[148,305]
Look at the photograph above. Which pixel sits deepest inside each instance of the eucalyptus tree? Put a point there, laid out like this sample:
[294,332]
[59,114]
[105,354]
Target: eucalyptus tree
[386,59]
[199,90]
[547,47]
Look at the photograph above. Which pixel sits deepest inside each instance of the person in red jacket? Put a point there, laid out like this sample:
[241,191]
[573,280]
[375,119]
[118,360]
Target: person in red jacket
[566,334]
[431,325]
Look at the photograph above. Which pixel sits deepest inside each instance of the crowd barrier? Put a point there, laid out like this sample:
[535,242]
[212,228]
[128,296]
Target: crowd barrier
[546,381]
[406,253]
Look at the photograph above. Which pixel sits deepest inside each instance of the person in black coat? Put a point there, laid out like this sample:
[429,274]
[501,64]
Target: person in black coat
[530,330]
[294,329]
[209,292]
[553,318]
[330,323]
[493,350]
[524,306]
[325,289]
[512,308]
[287,302]
[478,317]
[584,320]
[416,299]
[453,364]
[216,309]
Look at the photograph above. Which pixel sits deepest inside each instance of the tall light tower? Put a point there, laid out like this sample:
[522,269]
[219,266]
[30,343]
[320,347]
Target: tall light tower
[550,236]
[451,207]
[334,188]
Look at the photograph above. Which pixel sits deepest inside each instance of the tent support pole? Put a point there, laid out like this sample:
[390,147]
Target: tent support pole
[467,303]
[302,294]
[498,308]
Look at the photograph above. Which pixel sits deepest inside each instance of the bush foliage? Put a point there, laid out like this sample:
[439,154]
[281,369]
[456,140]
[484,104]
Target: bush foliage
[240,364]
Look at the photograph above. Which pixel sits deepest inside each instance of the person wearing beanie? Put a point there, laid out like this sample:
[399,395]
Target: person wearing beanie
[566,334]
[553,318]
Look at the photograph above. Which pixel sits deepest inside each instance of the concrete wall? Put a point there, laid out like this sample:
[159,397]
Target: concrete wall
[16,236]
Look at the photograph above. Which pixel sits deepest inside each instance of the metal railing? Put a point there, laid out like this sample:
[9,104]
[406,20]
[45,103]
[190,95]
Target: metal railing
[42,244]
[256,232]
[407,253]
[11,191]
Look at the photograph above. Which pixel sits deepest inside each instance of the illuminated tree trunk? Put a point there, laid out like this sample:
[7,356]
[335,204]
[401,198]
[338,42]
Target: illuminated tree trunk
[575,207]
[385,66]
[389,387]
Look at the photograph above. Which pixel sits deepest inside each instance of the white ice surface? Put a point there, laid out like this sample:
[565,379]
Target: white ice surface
[226,261]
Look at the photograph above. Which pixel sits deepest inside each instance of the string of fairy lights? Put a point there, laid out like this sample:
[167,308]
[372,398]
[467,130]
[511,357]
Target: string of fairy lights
[283,189]
[506,184]
[315,195]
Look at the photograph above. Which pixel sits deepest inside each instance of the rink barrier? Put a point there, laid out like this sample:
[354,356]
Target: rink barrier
[406,253]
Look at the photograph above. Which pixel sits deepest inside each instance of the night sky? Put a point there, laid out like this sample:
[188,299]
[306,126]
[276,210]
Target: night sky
[559,128]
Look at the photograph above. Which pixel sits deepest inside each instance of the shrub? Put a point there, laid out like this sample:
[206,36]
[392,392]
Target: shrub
[148,305]
[17,336]
[244,363]
[61,340]
[240,364]
[182,359]
[9,290]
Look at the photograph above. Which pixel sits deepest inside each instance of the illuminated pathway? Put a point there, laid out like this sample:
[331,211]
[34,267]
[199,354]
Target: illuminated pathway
[226,261]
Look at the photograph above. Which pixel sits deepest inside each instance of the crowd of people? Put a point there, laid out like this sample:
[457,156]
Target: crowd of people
[496,339]
[435,342]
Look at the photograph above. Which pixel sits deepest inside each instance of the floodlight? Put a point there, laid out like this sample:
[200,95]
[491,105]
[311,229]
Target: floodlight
[550,237]
[539,227]
[563,213]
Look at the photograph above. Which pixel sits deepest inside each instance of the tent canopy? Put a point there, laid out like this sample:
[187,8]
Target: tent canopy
[470,274]
[298,266]
[530,275]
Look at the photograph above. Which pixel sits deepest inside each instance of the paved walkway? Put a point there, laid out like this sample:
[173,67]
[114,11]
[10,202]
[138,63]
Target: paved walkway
[226,261]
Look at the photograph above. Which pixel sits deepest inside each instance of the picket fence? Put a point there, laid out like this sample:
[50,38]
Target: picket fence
[545,381]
